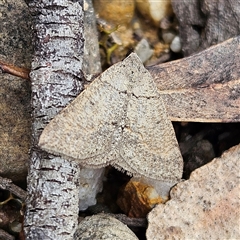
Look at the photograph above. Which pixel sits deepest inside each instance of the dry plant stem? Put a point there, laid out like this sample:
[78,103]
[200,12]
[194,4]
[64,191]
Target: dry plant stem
[203,87]
[7,184]
[130,222]
[52,202]
[14,70]
[6,236]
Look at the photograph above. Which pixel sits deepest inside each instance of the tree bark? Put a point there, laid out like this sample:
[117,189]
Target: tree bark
[52,203]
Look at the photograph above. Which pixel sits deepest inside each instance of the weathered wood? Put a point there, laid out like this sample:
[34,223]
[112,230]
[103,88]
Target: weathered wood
[204,87]
[52,202]
[7,184]
[203,23]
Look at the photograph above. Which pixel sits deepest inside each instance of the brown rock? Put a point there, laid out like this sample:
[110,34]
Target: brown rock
[154,10]
[115,11]
[15,119]
[137,199]
[206,206]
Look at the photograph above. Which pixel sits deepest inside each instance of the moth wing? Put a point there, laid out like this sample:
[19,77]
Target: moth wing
[119,119]
[148,146]
[87,129]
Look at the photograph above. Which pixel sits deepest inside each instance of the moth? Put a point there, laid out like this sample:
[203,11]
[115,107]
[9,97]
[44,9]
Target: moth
[121,120]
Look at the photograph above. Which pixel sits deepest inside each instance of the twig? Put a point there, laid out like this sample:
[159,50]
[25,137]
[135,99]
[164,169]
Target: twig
[14,70]
[5,235]
[7,184]
[131,222]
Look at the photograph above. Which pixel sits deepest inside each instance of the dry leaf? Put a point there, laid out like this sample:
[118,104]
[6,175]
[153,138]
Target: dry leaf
[204,87]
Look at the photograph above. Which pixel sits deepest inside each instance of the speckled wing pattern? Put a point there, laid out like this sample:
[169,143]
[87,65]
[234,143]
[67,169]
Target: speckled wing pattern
[120,119]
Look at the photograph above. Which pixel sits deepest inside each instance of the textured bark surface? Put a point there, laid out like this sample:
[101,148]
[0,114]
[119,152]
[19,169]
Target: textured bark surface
[52,203]
[203,87]
[203,23]
[15,110]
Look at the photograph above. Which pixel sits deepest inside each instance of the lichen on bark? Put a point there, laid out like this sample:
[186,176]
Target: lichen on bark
[52,203]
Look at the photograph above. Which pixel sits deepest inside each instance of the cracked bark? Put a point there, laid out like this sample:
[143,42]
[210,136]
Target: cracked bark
[52,202]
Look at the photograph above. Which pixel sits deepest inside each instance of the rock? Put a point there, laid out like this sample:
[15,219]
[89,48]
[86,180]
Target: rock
[90,182]
[15,117]
[176,45]
[143,50]
[137,199]
[206,206]
[119,12]
[201,153]
[114,19]
[203,23]
[168,35]
[154,10]
[140,195]
[103,226]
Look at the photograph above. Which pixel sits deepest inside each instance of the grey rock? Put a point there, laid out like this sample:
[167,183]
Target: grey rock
[105,227]
[143,50]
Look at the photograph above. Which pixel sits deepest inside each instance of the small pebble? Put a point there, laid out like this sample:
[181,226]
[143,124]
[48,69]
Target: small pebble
[166,23]
[143,50]
[176,45]
[154,10]
[137,199]
[168,36]
[118,12]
